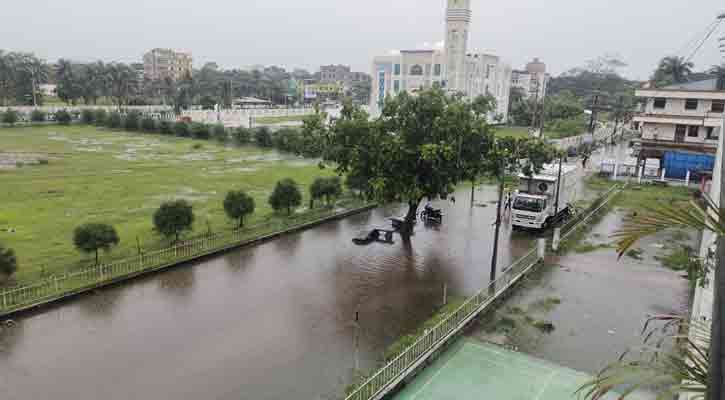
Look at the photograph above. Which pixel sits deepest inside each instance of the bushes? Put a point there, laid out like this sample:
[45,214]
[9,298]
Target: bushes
[10,117]
[182,129]
[166,127]
[148,124]
[114,120]
[87,116]
[63,117]
[242,135]
[220,133]
[200,131]
[132,122]
[100,117]
[37,116]
[286,196]
[329,188]
[8,262]
[263,137]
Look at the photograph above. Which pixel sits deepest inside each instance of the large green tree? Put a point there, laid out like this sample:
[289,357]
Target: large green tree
[412,151]
[89,238]
[174,218]
[671,70]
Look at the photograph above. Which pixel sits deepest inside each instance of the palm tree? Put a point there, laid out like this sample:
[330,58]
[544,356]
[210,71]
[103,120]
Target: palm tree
[673,70]
[66,81]
[38,71]
[693,363]
[121,80]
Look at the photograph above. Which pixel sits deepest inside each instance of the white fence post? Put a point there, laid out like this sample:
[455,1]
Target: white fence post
[663,174]
[687,179]
[542,249]
[556,240]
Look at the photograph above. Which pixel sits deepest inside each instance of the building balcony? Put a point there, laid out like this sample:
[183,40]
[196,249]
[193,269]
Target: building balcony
[661,145]
[709,119]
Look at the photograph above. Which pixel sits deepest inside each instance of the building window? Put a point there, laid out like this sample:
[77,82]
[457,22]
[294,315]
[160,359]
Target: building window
[416,70]
[660,103]
[396,69]
[693,131]
[396,86]
[718,106]
[680,132]
[691,104]
[437,70]
[711,134]
[427,70]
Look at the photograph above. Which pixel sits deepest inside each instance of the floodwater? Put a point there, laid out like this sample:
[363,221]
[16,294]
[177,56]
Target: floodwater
[273,321]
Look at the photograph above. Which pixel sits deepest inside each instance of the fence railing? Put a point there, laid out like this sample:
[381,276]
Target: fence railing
[392,373]
[70,282]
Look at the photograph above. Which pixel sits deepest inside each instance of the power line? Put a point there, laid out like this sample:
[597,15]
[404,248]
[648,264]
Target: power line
[709,34]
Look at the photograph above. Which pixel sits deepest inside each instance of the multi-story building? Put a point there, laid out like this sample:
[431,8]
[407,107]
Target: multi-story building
[166,63]
[450,67]
[533,80]
[681,124]
[334,73]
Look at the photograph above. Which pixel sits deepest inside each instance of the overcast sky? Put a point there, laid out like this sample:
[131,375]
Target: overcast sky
[308,33]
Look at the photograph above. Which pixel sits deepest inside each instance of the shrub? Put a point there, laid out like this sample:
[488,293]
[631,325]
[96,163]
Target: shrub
[148,124]
[8,261]
[43,161]
[132,121]
[114,120]
[220,133]
[90,238]
[63,117]
[238,205]
[10,117]
[100,116]
[286,195]
[197,146]
[263,137]
[173,218]
[87,116]
[182,129]
[199,130]
[37,116]
[165,127]
[242,135]
[329,188]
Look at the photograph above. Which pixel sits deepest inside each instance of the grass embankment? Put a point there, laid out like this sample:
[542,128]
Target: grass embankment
[120,178]
[279,119]
[632,199]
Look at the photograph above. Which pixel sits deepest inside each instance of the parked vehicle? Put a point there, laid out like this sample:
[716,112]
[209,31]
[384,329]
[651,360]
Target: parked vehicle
[544,199]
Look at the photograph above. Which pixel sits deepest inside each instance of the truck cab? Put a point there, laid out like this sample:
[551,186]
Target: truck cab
[535,203]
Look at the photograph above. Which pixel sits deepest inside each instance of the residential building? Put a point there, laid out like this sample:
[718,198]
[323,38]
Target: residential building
[48,89]
[166,63]
[533,80]
[681,125]
[311,91]
[140,70]
[451,67]
[334,73]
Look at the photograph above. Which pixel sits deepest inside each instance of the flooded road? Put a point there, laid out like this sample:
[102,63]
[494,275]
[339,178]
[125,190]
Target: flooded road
[268,322]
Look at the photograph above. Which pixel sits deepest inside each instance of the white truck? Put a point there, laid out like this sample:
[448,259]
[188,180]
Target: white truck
[535,203]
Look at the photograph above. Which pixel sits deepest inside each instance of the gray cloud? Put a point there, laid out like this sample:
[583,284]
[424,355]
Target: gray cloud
[564,33]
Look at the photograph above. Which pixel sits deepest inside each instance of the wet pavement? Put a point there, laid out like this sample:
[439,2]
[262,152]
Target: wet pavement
[268,322]
[597,304]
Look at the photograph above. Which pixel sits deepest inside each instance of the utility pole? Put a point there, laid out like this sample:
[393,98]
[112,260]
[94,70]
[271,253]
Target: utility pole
[594,114]
[494,256]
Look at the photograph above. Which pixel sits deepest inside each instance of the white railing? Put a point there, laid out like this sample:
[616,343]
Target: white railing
[392,373]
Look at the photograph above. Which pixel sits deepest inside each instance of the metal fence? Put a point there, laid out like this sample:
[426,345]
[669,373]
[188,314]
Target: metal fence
[390,375]
[78,281]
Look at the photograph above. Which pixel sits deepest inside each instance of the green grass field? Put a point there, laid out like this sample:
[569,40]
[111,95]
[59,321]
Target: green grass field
[98,175]
[280,119]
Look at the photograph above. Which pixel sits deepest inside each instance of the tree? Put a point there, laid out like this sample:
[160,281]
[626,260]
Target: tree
[89,238]
[87,116]
[37,116]
[286,196]
[200,130]
[8,261]
[63,117]
[412,151]
[132,121]
[68,88]
[10,117]
[182,129]
[114,120]
[332,189]
[671,70]
[148,124]
[242,135]
[317,191]
[238,205]
[121,81]
[174,218]
[263,137]
[100,116]
[220,133]
[482,105]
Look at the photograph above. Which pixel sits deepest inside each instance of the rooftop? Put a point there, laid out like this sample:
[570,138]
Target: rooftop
[702,85]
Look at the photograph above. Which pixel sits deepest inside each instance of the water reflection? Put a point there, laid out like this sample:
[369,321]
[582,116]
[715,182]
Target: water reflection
[11,332]
[101,303]
[179,282]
